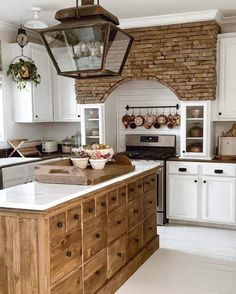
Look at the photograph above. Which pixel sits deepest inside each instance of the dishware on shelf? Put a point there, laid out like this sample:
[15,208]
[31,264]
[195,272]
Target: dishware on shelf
[195,113]
[80,162]
[93,113]
[98,163]
[196,131]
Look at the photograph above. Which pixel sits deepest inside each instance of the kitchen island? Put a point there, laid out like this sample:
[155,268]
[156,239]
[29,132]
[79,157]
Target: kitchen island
[64,239]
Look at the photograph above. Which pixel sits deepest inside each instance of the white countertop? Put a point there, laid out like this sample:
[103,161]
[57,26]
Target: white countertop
[16,160]
[39,196]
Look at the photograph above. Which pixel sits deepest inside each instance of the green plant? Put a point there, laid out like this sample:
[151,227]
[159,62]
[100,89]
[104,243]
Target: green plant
[23,71]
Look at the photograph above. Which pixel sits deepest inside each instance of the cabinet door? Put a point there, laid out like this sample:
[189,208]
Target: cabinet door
[219,199]
[182,197]
[64,99]
[227,72]
[42,93]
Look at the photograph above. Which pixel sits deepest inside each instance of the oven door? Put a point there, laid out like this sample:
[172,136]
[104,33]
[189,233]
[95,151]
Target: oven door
[161,215]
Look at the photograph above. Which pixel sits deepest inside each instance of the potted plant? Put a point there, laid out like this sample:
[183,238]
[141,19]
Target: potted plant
[23,71]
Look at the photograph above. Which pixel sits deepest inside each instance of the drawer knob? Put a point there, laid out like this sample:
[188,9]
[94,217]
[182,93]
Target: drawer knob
[76,216]
[98,273]
[147,183]
[123,194]
[119,222]
[60,224]
[113,198]
[98,236]
[90,210]
[195,181]
[153,180]
[140,186]
[220,113]
[103,204]
[150,228]
[136,240]
[204,182]
[218,171]
[131,189]
[68,253]
[119,254]
[150,202]
[182,169]
[135,210]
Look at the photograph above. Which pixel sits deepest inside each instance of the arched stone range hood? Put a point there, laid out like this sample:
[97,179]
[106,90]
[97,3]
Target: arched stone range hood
[182,57]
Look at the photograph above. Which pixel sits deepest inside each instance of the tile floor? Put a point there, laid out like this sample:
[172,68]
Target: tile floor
[191,260]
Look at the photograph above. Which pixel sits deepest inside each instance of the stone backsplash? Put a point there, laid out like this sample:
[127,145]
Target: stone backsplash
[182,57]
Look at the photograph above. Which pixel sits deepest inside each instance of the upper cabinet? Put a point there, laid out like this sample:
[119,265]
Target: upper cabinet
[34,103]
[196,130]
[54,99]
[225,105]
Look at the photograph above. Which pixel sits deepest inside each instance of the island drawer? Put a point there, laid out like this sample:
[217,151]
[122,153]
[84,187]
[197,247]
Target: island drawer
[149,182]
[71,285]
[74,218]
[94,236]
[135,212]
[135,189]
[116,224]
[65,254]
[135,240]
[88,209]
[149,228]
[101,204]
[57,225]
[149,203]
[95,272]
[112,199]
[116,253]
[122,195]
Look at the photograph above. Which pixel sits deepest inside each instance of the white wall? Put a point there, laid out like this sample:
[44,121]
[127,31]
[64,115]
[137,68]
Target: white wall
[143,93]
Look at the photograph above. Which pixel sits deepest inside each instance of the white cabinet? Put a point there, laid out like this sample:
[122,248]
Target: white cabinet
[64,99]
[196,130]
[219,199]
[183,197]
[225,106]
[34,103]
[203,192]
[92,124]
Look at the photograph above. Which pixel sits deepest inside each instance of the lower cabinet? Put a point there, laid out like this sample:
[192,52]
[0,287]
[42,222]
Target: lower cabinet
[206,194]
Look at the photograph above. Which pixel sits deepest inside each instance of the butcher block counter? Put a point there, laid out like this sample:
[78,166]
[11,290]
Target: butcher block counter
[65,239]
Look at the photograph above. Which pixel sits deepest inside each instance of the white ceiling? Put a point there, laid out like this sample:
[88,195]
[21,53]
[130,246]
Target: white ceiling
[18,11]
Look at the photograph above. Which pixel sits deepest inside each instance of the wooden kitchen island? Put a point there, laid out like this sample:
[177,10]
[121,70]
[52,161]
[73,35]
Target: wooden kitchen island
[90,243]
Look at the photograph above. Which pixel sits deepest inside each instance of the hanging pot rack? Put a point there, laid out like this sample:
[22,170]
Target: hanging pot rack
[152,107]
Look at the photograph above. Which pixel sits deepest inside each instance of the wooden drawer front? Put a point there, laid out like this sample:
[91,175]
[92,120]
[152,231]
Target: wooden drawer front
[95,272]
[149,203]
[135,240]
[224,170]
[74,218]
[117,224]
[65,254]
[135,212]
[88,210]
[112,199]
[72,285]
[116,255]
[149,228]
[95,236]
[101,204]
[182,168]
[57,225]
[149,182]
[135,189]
[122,195]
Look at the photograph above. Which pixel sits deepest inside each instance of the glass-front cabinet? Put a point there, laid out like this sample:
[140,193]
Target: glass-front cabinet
[196,130]
[92,123]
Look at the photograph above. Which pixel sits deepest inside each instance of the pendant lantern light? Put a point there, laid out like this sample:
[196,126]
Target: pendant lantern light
[87,43]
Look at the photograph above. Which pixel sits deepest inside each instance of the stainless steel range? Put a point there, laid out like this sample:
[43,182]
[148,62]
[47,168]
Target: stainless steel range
[155,148]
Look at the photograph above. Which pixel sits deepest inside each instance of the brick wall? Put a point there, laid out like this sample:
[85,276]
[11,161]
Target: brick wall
[182,57]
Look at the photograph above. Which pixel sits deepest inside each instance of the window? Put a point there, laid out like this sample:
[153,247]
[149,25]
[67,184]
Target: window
[1,113]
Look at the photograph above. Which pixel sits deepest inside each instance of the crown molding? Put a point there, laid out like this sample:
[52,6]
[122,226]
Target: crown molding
[6,26]
[170,19]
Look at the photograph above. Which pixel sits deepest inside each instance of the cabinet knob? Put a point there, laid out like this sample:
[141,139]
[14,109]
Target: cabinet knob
[98,236]
[90,210]
[135,210]
[36,116]
[119,254]
[136,240]
[220,113]
[103,204]
[76,216]
[60,224]
[147,183]
[131,190]
[140,186]
[97,273]
[78,115]
[150,202]
[182,169]
[183,151]
[218,171]
[119,222]
[204,182]
[153,180]
[68,253]
[113,198]
[123,194]
[195,181]
[150,228]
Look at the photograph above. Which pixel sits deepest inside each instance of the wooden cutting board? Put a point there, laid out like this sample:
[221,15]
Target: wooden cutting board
[63,172]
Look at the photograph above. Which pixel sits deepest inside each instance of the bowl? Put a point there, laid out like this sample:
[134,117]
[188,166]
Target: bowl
[98,163]
[104,152]
[80,162]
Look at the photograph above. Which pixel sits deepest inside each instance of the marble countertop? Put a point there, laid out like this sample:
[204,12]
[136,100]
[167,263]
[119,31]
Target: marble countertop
[40,197]
[4,162]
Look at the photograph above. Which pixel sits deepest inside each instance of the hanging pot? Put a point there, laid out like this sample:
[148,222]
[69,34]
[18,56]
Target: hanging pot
[126,120]
[139,120]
